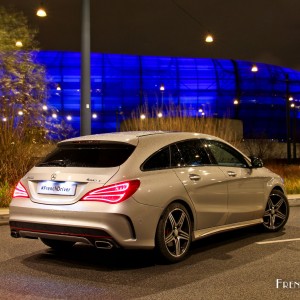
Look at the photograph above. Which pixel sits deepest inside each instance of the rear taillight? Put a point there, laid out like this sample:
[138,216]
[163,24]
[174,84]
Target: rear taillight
[20,191]
[114,193]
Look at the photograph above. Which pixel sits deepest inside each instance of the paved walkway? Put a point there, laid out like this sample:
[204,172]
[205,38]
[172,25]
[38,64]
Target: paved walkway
[294,200]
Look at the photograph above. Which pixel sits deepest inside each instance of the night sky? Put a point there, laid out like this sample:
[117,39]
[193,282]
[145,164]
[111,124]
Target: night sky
[256,30]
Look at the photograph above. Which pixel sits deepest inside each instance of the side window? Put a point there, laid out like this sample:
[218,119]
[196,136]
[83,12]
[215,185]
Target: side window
[193,153]
[176,157]
[181,154]
[160,160]
[226,155]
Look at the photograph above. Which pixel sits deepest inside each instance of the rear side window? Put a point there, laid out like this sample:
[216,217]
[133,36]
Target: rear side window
[181,154]
[160,160]
[91,155]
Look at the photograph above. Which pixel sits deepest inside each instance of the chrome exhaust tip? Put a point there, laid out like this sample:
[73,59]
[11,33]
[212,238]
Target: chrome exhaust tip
[103,245]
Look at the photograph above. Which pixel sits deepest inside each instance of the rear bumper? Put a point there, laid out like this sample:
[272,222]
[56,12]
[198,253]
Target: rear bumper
[129,225]
[57,232]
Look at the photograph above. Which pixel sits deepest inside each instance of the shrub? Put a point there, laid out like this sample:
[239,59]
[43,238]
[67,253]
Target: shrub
[290,174]
[179,119]
[5,194]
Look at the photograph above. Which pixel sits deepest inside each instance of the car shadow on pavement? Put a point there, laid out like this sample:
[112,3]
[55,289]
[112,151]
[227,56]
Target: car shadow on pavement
[230,241]
[217,247]
[86,255]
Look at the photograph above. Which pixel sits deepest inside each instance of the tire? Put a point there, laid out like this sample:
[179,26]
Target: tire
[276,212]
[173,235]
[57,245]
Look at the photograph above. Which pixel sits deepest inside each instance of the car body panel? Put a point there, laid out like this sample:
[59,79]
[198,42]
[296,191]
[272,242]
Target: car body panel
[129,223]
[245,193]
[85,179]
[215,199]
[208,193]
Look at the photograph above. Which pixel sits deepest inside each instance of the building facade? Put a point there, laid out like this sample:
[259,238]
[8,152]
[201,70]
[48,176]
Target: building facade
[266,101]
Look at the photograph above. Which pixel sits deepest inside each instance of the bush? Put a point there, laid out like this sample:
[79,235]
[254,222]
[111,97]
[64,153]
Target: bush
[6,191]
[179,119]
[290,174]
[17,158]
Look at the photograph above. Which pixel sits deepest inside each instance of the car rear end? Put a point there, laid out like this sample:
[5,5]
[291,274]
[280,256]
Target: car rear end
[70,196]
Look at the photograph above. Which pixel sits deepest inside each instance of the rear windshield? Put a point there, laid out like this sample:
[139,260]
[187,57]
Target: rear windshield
[88,154]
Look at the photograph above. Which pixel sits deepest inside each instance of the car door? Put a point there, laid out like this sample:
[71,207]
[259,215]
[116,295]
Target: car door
[245,186]
[205,183]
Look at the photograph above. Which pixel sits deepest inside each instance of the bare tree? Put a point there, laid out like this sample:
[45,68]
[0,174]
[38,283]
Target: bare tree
[23,89]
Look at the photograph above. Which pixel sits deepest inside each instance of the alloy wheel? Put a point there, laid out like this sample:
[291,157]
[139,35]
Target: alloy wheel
[174,233]
[277,211]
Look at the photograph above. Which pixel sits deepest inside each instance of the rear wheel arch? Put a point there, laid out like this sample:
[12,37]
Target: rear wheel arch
[186,206]
[277,188]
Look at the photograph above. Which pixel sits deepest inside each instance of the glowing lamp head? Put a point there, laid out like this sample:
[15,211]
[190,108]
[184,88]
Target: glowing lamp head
[254,68]
[209,38]
[41,12]
[19,44]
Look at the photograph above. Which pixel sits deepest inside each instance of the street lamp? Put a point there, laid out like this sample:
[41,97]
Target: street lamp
[236,103]
[209,38]
[85,101]
[41,12]
[294,135]
[162,89]
[288,118]
[19,44]
[254,68]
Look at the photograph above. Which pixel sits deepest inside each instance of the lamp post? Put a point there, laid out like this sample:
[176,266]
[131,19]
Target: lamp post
[85,101]
[294,108]
[288,119]
[236,104]
[237,99]
[162,89]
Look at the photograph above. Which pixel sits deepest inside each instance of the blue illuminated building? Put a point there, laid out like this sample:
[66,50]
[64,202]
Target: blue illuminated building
[121,84]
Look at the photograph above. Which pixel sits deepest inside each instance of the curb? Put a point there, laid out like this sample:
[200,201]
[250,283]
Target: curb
[4,216]
[294,200]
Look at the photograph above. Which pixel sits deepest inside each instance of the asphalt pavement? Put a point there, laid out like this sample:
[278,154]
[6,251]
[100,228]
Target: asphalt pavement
[294,200]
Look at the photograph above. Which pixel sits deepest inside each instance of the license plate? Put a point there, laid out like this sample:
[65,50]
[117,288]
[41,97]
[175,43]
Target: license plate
[56,188]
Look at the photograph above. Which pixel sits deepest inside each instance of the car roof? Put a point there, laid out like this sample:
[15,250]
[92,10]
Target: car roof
[132,137]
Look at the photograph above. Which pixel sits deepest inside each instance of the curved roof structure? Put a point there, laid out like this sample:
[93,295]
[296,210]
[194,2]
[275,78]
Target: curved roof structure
[201,87]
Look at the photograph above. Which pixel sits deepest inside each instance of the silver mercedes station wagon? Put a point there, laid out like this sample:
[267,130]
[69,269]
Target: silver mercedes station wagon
[145,190]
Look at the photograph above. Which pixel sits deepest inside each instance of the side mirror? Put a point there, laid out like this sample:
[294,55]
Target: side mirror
[256,162]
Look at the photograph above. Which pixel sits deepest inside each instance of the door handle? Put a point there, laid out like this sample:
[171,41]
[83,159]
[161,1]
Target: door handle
[231,173]
[194,177]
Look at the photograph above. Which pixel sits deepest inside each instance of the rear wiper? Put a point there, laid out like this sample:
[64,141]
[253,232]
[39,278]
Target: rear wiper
[57,162]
